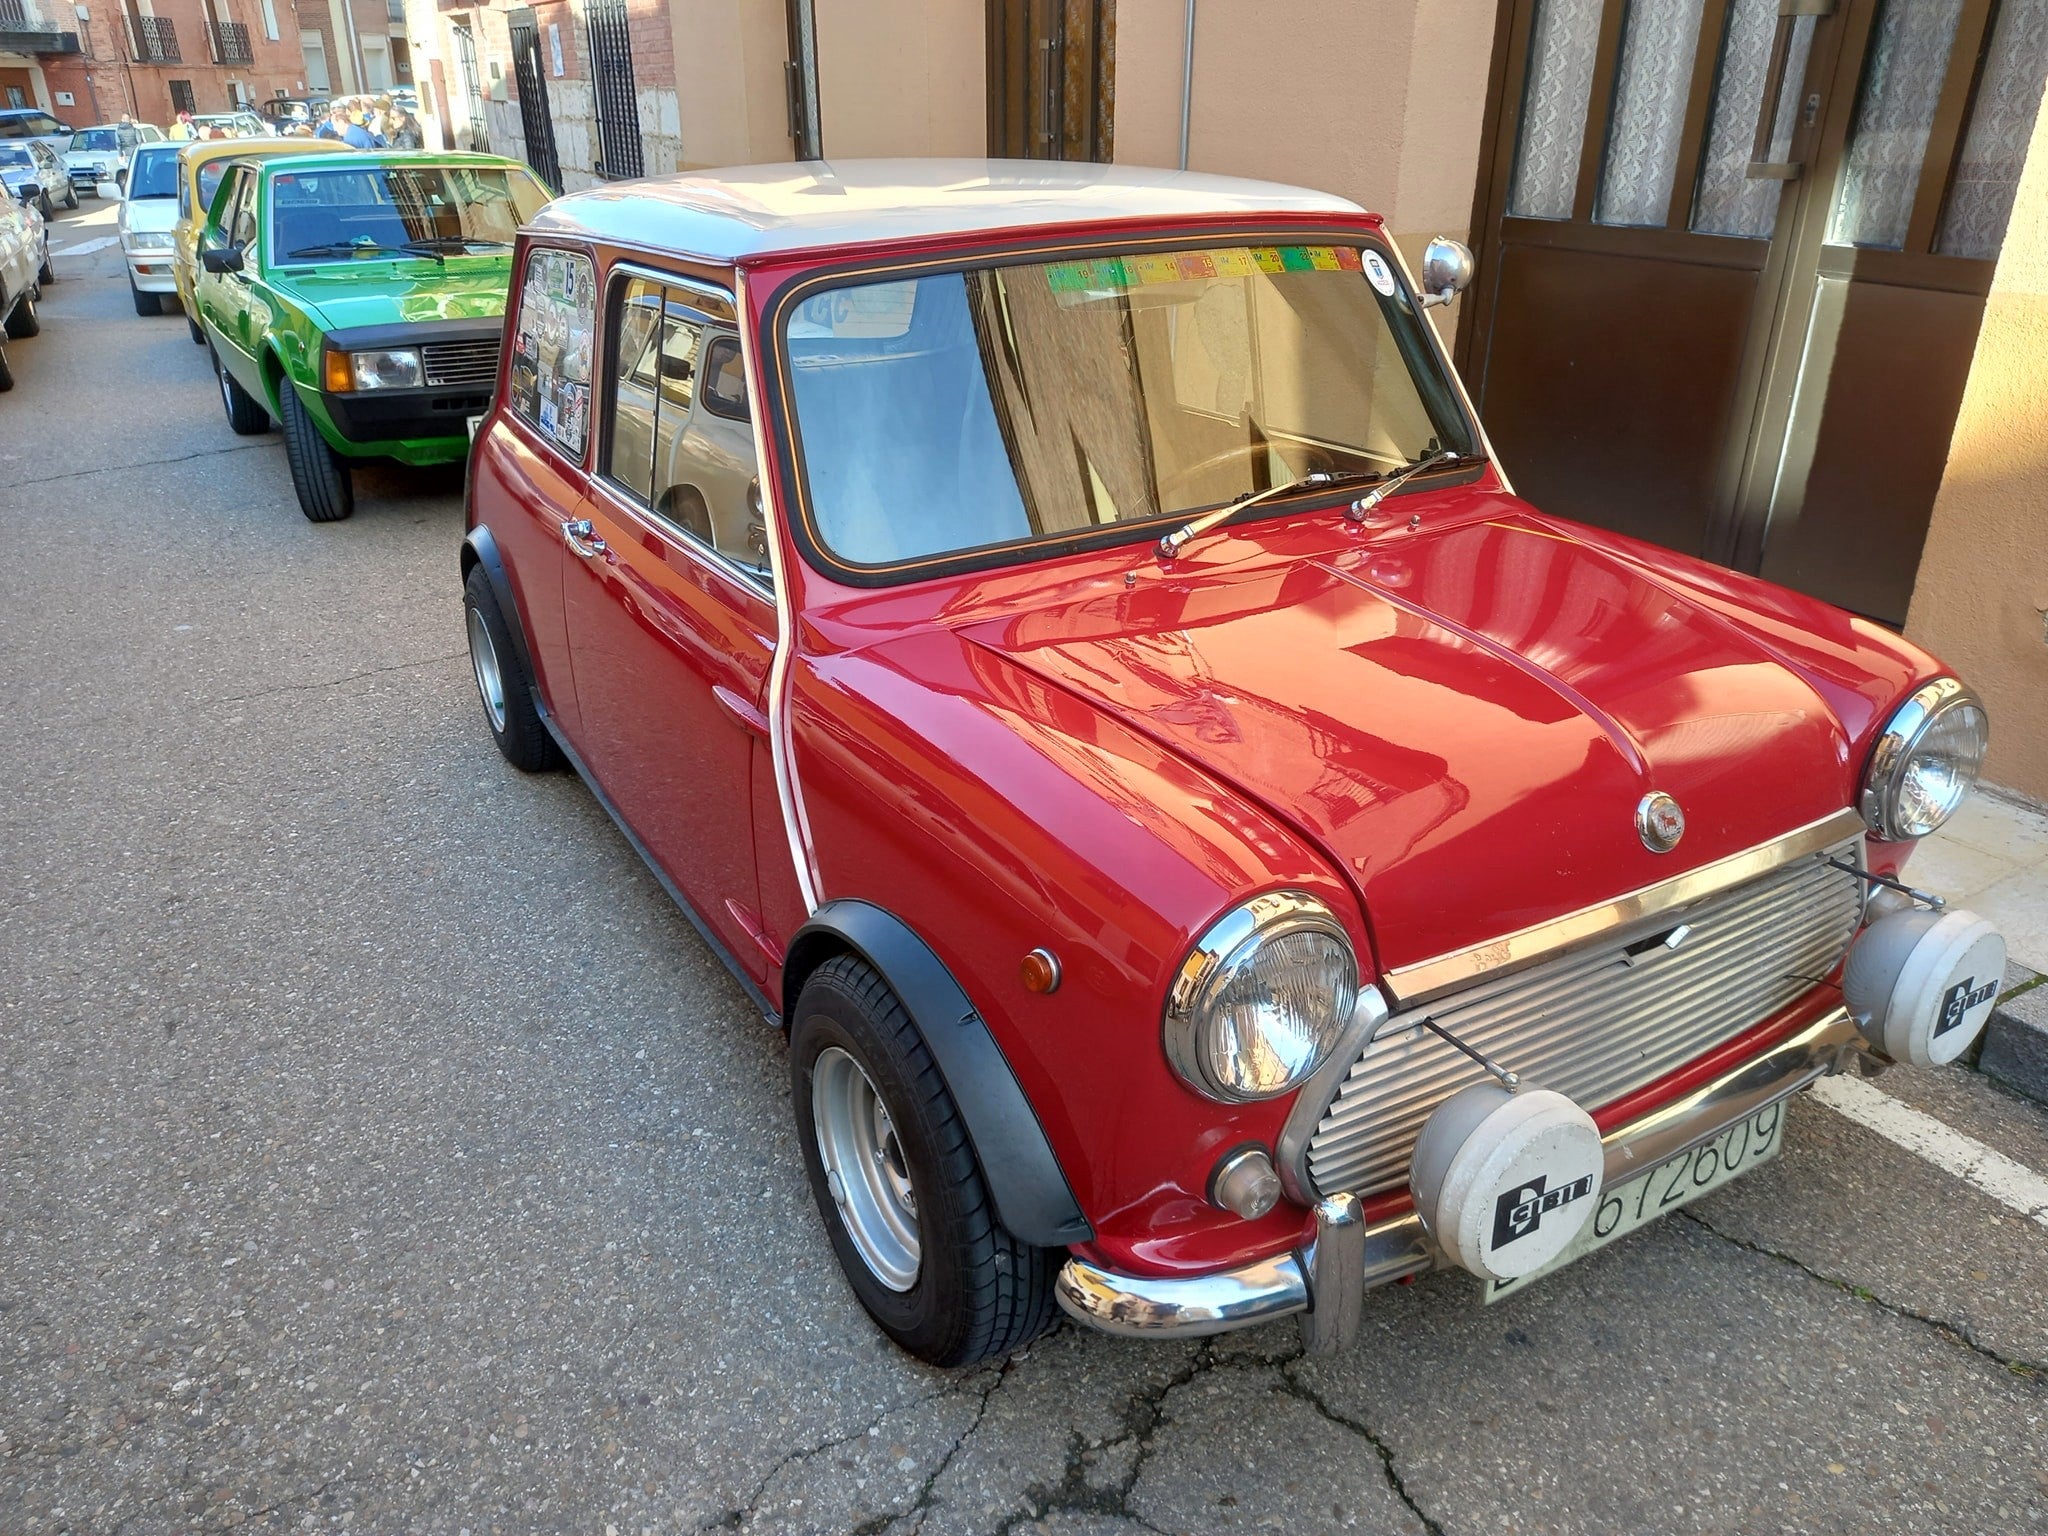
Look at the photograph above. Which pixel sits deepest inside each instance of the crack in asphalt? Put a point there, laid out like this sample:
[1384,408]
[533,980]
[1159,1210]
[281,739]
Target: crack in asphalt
[332,682]
[113,469]
[922,1505]
[2034,1371]
[1297,1388]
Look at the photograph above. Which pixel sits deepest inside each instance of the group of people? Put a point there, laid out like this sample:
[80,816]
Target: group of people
[372,123]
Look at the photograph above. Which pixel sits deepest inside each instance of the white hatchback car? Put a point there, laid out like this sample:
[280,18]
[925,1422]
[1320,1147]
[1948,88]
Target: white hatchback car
[101,152]
[149,212]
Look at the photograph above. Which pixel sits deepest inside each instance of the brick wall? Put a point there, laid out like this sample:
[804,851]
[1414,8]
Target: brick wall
[106,82]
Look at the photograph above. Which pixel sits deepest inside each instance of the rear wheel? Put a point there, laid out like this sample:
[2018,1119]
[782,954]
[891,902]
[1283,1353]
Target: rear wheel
[6,373]
[246,416]
[24,322]
[502,683]
[198,334]
[326,494]
[897,1182]
[44,205]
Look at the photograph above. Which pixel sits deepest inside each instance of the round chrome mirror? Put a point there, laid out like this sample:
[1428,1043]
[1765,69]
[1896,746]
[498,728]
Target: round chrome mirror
[1446,268]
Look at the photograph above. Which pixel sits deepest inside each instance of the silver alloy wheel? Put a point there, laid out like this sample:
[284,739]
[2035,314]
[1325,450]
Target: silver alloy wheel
[865,1168]
[490,681]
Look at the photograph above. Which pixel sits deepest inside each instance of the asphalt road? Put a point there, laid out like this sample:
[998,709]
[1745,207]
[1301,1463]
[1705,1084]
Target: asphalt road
[381,1150]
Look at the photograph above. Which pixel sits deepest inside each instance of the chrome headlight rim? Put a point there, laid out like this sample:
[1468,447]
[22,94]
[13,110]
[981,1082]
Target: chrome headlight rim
[1895,747]
[1215,958]
[370,368]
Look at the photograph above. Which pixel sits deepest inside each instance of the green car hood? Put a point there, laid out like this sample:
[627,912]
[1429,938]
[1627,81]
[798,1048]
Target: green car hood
[343,295]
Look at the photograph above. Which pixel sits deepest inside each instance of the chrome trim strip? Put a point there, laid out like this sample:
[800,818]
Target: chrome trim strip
[1138,1306]
[1426,979]
[1290,1154]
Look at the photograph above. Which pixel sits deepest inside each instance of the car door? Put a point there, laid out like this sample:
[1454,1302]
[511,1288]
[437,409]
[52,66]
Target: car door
[671,627]
[50,168]
[224,296]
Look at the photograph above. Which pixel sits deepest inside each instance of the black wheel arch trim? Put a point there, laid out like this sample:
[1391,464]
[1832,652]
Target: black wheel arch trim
[1030,1191]
[479,548]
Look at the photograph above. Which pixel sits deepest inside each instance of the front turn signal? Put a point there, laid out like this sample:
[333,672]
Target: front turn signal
[337,376]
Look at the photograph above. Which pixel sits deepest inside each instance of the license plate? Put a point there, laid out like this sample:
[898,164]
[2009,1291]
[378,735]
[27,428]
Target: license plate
[1671,1184]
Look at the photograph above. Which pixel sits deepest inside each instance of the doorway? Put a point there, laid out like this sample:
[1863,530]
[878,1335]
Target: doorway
[1051,79]
[1734,255]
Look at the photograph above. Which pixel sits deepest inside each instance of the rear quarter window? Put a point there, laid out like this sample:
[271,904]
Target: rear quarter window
[551,347]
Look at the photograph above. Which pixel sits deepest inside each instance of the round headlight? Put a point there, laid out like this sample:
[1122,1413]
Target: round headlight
[1925,761]
[1258,1002]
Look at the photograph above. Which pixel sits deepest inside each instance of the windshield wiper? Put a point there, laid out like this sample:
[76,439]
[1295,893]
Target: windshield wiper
[1362,508]
[341,247]
[461,243]
[1173,543]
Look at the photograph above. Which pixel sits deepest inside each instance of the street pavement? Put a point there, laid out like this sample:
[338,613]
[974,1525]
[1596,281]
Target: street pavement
[382,1150]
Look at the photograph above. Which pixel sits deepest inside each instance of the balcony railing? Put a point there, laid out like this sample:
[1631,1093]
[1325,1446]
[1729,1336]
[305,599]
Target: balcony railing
[228,42]
[14,17]
[153,40]
[22,30]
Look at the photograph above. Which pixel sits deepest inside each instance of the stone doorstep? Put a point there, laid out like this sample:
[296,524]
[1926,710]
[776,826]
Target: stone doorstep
[2014,1049]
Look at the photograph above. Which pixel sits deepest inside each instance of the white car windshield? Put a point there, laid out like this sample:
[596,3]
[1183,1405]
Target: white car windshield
[154,173]
[106,139]
[1042,401]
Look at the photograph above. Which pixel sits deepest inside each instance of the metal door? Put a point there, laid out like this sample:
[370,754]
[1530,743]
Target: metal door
[479,127]
[535,117]
[1051,78]
[1735,255]
[611,76]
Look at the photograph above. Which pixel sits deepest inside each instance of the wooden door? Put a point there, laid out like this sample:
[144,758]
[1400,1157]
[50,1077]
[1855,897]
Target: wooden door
[1733,261]
[1051,79]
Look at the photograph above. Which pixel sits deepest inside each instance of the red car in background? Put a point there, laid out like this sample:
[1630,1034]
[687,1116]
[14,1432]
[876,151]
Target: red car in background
[1062,635]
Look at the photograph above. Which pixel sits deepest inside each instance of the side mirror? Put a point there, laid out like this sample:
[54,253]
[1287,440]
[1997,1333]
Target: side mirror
[106,189]
[221,258]
[1447,268]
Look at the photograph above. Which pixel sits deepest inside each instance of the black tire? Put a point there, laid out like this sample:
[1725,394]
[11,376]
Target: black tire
[198,334]
[979,1292]
[145,303]
[6,373]
[48,274]
[24,322]
[326,494]
[514,720]
[246,416]
[44,206]
[167,304]
[71,197]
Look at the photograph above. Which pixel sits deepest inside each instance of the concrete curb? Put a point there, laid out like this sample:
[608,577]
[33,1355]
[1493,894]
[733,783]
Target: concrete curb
[2015,1045]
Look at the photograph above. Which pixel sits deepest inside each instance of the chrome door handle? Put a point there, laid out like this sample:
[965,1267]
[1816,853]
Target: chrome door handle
[581,536]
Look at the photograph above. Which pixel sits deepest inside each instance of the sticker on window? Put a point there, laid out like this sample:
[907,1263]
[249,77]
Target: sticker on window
[551,351]
[873,310]
[1077,282]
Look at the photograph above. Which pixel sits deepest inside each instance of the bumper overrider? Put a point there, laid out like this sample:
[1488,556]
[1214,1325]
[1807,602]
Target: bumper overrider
[458,377]
[1917,987]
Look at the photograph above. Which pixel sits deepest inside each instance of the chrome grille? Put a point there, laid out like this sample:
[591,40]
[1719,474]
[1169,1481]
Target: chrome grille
[1587,1022]
[461,362]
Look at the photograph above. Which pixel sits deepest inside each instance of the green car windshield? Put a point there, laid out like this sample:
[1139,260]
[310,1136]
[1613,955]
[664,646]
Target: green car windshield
[1026,403]
[334,212]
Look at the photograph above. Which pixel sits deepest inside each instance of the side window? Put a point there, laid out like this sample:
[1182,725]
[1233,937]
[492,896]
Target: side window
[679,438]
[551,347]
[242,216]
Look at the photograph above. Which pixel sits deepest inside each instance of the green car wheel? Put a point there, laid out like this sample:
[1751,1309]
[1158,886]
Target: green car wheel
[326,493]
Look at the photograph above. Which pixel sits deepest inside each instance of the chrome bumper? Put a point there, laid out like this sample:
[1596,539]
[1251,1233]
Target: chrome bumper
[1328,1279]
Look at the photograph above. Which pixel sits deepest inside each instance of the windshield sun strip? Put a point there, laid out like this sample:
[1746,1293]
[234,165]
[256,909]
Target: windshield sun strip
[1429,363]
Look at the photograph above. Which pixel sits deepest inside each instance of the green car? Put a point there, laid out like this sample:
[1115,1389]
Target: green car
[360,298]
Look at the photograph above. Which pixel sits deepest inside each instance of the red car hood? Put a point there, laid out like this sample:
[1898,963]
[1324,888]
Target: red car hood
[1465,720]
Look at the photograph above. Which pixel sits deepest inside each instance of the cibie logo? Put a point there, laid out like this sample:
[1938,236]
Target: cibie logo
[1959,999]
[1521,1210]
[1659,821]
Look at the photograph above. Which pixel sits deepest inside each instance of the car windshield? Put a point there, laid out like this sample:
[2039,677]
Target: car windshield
[1014,404]
[153,173]
[324,214]
[96,139]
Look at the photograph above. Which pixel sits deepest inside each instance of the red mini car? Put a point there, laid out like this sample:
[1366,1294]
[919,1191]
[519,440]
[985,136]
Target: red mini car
[1063,636]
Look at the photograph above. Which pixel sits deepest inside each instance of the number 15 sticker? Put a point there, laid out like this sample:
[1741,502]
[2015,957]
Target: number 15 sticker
[1378,273]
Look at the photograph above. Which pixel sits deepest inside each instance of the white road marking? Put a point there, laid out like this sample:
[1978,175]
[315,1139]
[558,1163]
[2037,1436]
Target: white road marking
[2010,1183]
[85,247]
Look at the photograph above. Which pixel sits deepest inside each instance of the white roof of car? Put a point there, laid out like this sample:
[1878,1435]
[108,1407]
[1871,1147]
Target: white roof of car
[743,212]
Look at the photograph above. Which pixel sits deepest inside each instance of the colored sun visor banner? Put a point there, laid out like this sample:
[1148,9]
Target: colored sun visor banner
[1077,281]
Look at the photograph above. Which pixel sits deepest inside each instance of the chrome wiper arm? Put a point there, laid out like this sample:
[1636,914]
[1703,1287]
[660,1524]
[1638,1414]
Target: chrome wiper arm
[1173,543]
[1362,508]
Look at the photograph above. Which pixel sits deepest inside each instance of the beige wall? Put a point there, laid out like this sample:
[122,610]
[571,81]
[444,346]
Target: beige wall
[901,77]
[1379,101]
[731,97]
[1981,601]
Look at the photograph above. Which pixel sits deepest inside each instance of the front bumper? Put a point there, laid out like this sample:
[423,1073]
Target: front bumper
[1328,1279]
[151,271]
[424,424]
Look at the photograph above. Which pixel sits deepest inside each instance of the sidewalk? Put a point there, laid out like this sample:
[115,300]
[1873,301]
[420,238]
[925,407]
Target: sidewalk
[1993,859]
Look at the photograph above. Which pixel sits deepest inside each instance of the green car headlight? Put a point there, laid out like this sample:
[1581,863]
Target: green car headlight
[396,368]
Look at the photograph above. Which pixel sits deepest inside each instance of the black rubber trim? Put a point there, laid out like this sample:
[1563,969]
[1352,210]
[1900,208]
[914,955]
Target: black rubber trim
[480,543]
[414,333]
[1024,1178]
[380,415]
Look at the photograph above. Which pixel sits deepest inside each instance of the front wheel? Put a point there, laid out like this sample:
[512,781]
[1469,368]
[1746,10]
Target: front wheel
[326,493]
[6,373]
[47,274]
[897,1182]
[145,303]
[246,416]
[24,322]
[44,206]
[71,197]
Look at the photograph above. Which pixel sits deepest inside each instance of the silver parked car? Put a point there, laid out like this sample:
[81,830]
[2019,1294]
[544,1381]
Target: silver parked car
[24,268]
[34,173]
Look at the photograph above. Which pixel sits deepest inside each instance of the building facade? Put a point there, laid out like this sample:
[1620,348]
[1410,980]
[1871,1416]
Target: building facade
[147,59]
[1753,276]
[355,47]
